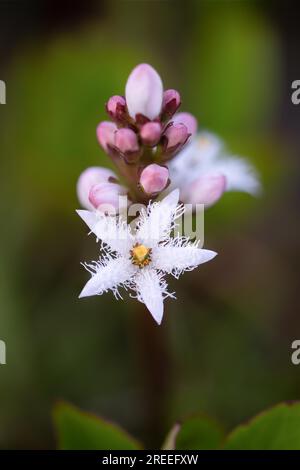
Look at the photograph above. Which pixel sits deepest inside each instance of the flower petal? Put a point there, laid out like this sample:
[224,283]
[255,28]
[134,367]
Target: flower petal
[150,290]
[89,217]
[206,189]
[177,259]
[107,275]
[206,155]
[110,230]
[156,223]
[195,159]
[240,174]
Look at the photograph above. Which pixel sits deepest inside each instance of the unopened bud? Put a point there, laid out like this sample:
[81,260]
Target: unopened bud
[188,120]
[175,137]
[106,134]
[116,107]
[171,102]
[127,143]
[90,177]
[154,178]
[106,194]
[150,133]
[144,92]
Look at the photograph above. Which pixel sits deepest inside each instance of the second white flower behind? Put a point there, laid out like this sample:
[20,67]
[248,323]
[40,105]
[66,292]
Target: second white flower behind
[138,260]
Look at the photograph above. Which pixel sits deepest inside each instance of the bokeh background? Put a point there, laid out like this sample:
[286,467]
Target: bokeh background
[224,347]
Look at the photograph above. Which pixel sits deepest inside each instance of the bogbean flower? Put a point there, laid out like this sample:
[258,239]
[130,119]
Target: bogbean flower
[155,149]
[138,261]
[204,170]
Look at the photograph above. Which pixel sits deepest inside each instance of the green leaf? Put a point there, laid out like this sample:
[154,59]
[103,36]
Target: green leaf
[275,429]
[77,430]
[197,432]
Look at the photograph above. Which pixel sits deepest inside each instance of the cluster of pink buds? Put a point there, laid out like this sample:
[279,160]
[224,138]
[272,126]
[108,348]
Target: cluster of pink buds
[144,134]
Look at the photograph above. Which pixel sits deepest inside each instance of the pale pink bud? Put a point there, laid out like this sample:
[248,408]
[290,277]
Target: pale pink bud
[188,120]
[116,107]
[106,194]
[154,178]
[106,134]
[127,143]
[89,178]
[150,133]
[144,92]
[206,189]
[175,135]
[171,102]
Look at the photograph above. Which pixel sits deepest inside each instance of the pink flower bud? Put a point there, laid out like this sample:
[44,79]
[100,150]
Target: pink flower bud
[144,92]
[154,178]
[171,102]
[106,134]
[175,136]
[127,143]
[106,194]
[89,178]
[116,107]
[188,120]
[206,189]
[150,133]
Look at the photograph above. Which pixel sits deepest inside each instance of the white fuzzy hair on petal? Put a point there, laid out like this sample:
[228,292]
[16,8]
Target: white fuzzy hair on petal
[110,230]
[206,155]
[179,254]
[159,219]
[239,173]
[109,273]
[151,289]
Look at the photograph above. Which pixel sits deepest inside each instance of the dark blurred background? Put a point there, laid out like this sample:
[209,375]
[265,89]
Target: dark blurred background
[224,347]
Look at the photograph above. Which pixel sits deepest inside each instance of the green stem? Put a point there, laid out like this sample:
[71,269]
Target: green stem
[155,366]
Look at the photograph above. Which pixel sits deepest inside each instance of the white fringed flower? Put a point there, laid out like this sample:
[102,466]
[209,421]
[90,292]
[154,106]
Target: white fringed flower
[203,170]
[138,259]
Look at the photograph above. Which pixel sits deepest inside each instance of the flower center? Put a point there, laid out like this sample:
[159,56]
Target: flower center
[140,255]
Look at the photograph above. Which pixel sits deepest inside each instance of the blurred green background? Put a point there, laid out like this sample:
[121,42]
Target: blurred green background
[224,347]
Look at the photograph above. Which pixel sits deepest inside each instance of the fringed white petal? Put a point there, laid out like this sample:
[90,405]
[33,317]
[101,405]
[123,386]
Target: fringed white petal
[194,159]
[206,155]
[206,189]
[239,173]
[109,229]
[156,223]
[89,217]
[151,289]
[169,255]
[108,274]
[180,255]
